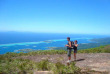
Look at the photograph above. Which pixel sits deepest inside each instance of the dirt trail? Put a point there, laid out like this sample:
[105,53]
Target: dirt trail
[86,61]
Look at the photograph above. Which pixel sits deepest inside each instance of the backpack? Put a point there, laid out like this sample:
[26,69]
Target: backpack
[72,44]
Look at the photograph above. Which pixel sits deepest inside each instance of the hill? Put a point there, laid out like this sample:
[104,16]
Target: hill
[88,61]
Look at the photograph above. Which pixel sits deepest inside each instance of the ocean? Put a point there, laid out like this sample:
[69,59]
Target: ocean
[18,41]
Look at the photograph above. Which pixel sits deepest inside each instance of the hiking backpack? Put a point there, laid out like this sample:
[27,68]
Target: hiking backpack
[72,44]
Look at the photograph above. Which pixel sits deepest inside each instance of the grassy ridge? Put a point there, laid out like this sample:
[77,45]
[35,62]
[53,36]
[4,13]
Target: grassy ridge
[9,64]
[17,66]
[25,66]
[58,68]
[101,49]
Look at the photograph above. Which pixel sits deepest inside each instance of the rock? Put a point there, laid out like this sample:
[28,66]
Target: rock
[43,72]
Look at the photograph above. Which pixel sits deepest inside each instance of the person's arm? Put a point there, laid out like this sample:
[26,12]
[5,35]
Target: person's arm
[76,45]
[66,45]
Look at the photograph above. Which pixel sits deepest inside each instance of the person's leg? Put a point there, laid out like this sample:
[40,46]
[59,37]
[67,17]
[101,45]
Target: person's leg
[74,56]
[69,54]
[75,51]
[69,58]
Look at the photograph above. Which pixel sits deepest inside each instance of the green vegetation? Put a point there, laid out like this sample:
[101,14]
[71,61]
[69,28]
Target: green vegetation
[10,63]
[58,68]
[24,66]
[98,42]
[16,66]
[39,52]
[101,49]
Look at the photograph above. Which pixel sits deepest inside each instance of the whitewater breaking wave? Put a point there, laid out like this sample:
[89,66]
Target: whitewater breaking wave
[29,43]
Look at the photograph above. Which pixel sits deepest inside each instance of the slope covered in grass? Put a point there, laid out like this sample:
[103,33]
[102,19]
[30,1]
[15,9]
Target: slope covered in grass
[101,49]
[11,64]
[24,66]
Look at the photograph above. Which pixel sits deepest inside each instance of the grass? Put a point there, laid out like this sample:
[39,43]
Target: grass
[17,66]
[57,68]
[101,49]
[9,64]
[24,66]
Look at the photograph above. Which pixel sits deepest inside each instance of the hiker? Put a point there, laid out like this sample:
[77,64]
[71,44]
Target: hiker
[75,49]
[71,45]
[69,49]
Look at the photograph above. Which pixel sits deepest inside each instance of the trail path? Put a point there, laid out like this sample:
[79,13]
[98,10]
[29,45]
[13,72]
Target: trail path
[86,61]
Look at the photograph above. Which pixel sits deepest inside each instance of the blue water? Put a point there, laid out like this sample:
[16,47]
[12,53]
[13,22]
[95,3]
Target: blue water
[14,41]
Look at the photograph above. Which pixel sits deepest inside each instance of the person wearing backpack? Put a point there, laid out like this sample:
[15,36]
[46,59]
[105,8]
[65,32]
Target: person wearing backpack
[69,49]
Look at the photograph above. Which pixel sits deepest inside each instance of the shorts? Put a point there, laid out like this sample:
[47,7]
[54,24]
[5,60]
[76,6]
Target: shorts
[75,50]
[69,52]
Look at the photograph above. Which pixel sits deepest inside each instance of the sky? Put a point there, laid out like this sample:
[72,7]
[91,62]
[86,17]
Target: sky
[56,16]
